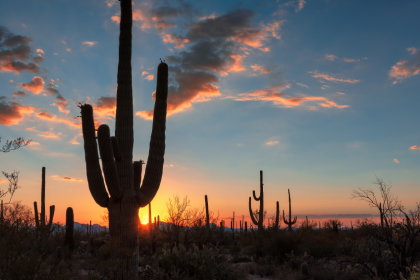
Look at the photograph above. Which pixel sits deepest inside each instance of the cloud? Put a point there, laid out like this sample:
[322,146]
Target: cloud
[275,95]
[350,60]
[36,86]
[68,49]
[396,160]
[149,77]
[271,143]
[40,51]
[14,52]
[192,87]
[177,40]
[302,85]
[301,5]
[66,178]
[90,43]
[413,50]
[47,116]
[407,68]
[330,57]
[19,93]
[105,106]
[415,148]
[50,135]
[110,3]
[331,78]
[325,86]
[144,73]
[261,69]
[11,113]
[32,143]
[342,93]
[38,59]
[2,181]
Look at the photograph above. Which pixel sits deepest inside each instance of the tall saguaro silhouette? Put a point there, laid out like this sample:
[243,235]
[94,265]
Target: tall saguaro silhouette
[290,222]
[260,221]
[122,175]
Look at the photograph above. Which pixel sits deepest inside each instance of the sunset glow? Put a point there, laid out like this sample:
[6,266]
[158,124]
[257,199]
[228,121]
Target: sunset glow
[322,96]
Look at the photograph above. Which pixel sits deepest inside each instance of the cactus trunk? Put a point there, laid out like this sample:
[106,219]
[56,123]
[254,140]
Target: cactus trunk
[260,221]
[69,239]
[123,176]
[290,222]
[207,213]
[40,222]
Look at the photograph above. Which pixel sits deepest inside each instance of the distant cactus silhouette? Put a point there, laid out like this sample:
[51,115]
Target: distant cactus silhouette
[260,222]
[69,239]
[122,176]
[40,219]
[246,226]
[232,226]
[207,213]
[276,223]
[290,222]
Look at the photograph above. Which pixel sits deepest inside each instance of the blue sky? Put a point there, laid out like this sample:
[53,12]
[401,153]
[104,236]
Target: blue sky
[320,95]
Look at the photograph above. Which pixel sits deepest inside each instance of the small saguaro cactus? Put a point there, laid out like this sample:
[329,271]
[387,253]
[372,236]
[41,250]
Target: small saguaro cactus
[289,222]
[260,221]
[246,226]
[207,213]
[69,239]
[40,219]
[232,226]
[276,223]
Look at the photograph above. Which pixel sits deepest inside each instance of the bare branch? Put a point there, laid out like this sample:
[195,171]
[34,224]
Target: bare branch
[13,184]
[14,144]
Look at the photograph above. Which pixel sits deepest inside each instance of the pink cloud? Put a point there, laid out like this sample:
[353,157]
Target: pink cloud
[331,78]
[330,57]
[144,73]
[18,66]
[271,143]
[350,60]
[40,51]
[413,50]
[105,106]
[396,160]
[11,113]
[261,69]
[302,85]
[50,135]
[274,27]
[342,93]
[415,148]
[301,5]
[275,95]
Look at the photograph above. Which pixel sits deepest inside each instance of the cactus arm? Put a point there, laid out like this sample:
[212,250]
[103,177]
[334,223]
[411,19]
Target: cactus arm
[294,220]
[251,214]
[255,197]
[115,148]
[52,210]
[108,163]
[93,170]
[284,219]
[137,166]
[154,167]
[36,214]
[43,198]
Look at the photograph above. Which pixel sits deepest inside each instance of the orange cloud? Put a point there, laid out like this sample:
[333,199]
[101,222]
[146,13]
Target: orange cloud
[90,43]
[11,113]
[35,86]
[19,93]
[301,5]
[116,19]
[144,73]
[40,51]
[415,148]
[331,78]
[173,38]
[68,49]
[66,178]
[330,57]
[342,93]
[271,143]
[403,70]
[274,27]
[50,135]
[149,77]
[18,66]
[396,160]
[105,106]
[2,181]
[110,3]
[413,50]
[275,95]
[193,87]
[32,143]
[235,63]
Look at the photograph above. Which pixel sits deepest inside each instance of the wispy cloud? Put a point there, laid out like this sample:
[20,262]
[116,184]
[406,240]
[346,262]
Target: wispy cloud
[262,69]
[330,57]
[302,85]
[50,135]
[396,160]
[331,78]
[407,68]
[275,95]
[342,93]
[350,60]
[90,43]
[66,178]
[301,5]
[271,143]
[149,77]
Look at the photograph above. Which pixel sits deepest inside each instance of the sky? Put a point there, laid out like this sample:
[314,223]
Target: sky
[322,96]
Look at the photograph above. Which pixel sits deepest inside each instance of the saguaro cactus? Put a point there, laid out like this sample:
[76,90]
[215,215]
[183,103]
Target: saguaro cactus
[276,223]
[290,222]
[69,239]
[40,220]
[260,221]
[122,175]
[207,213]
